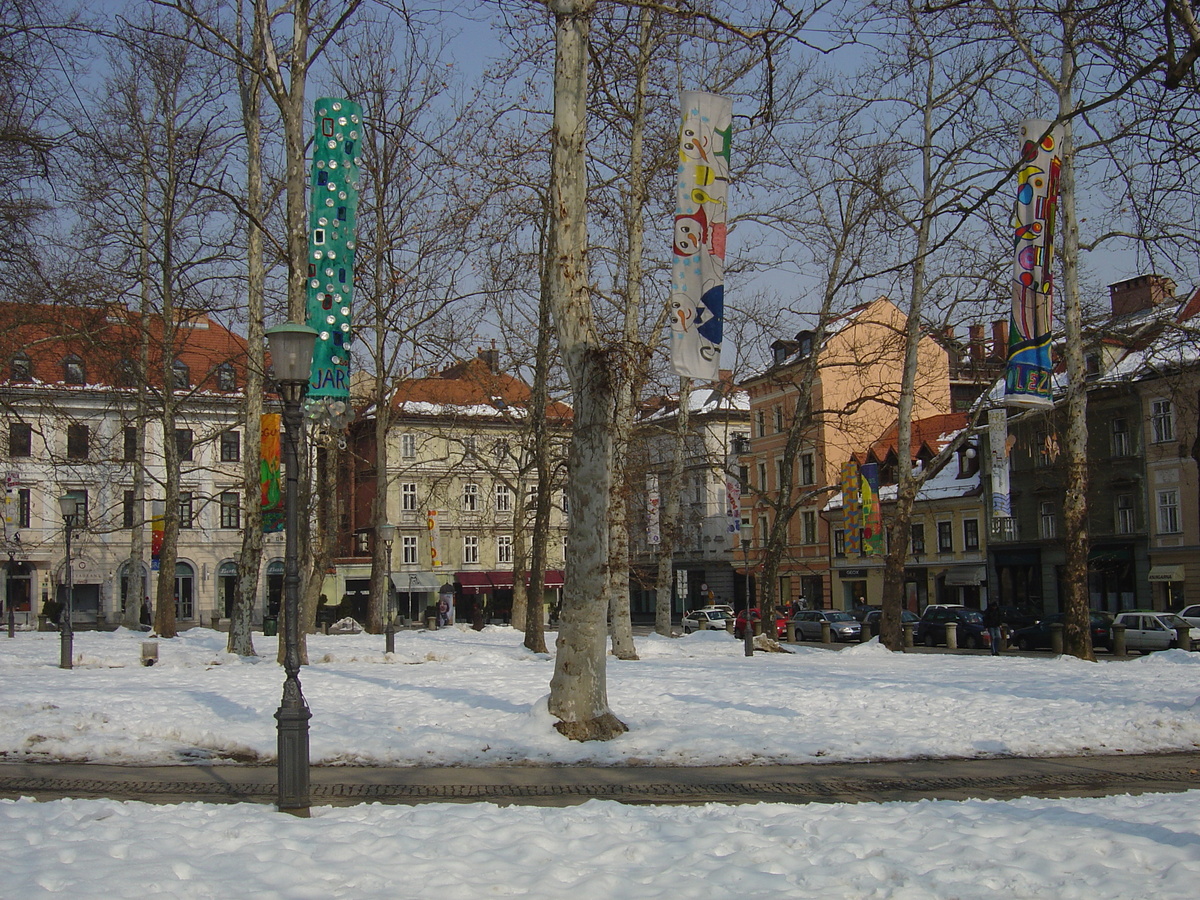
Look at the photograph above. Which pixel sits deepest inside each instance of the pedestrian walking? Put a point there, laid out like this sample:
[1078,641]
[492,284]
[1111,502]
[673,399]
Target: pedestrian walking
[993,620]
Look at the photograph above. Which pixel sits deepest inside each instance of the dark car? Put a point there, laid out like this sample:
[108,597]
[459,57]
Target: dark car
[1037,637]
[861,612]
[1017,617]
[906,618]
[972,633]
[739,624]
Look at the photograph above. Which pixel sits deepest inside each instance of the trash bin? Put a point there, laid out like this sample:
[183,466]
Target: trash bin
[270,626]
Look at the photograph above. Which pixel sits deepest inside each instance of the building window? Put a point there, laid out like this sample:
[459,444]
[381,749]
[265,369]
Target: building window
[504,498]
[470,550]
[470,498]
[1046,449]
[231,509]
[408,496]
[500,450]
[181,374]
[778,419]
[22,368]
[970,534]
[1162,421]
[127,373]
[183,443]
[1046,528]
[839,542]
[808,469]
[565,508]
[129,509]
[1125,523]
[945,532]
[226,377]
[781,471]
[186,510]
[1168,512]
[77,441]
[470,445]
[917,538]
[1120,436]
[504,549]
[808,527]
[408,446]
[24,507]
[231,446]
[762,476]
[760,422]
[20,439]
[408,549]
[73,370]
[129,452]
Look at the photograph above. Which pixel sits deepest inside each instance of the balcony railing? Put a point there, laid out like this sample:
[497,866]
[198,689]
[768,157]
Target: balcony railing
[1004,528]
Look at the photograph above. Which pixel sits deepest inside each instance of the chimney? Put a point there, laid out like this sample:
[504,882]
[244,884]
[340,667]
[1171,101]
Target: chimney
[975,343]
[491,357]
[1140,293]
[1000,339]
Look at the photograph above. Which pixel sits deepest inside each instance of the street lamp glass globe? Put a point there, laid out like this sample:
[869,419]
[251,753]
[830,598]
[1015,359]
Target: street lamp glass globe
[68,505]
[386,532]
[291,346]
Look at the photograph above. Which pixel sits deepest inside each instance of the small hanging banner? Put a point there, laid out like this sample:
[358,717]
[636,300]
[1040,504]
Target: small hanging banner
[269,472]
[872,511]
[435,539]
[1029,379]
[852,511]
[653,531]
[701,219]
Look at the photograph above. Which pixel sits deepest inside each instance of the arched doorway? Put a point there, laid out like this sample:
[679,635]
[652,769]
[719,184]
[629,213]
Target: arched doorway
[274,587]
[19,593]
[185,599]
[227,579]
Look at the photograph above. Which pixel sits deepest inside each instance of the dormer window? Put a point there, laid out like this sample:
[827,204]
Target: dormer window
[126,373]
[226,377]
[781,354]
[180,374]
[1091,365]
[22,367]
[73,371]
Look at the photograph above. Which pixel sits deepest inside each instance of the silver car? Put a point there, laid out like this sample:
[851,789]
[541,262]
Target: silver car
[1146,631]
[842,625]
[714,619]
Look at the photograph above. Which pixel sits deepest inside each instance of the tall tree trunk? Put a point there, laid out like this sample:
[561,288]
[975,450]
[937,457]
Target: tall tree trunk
[1077,636]
[578,689]
[671,528]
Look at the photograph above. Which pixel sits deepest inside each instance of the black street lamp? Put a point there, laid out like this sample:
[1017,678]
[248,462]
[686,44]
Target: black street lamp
[291,348]
[387,533]
[69,507]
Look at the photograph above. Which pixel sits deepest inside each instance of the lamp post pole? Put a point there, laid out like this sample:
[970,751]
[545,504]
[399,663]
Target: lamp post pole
[8,575]
[387,533]
[69,507]
[412,609]
[291,358]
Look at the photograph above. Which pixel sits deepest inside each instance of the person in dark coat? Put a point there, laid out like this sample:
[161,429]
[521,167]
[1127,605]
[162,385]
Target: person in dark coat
[994,622]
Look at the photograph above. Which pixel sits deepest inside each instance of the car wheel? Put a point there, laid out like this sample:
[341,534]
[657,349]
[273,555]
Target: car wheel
[971,643]
[930,640]
[686,630]
[1025,644]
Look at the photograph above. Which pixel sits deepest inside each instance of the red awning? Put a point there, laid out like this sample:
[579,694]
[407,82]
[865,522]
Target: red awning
[486,582]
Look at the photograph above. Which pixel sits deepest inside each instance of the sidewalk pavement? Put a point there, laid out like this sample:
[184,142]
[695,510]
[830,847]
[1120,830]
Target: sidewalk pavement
[946,779]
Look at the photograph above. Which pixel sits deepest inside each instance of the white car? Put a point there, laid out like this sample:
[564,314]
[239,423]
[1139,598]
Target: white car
[714,618]
[1146,631]
[1192,614]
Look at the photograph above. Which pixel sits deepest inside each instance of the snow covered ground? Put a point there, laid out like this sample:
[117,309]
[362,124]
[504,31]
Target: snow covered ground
[462,697]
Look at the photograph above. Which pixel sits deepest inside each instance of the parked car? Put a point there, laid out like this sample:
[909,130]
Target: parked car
[739,624]
[972,633]
[1146,631]
[1037,636]
[861,612]
[842,625]
[1016,617]
[1192,614]
[906,618]
[713,618]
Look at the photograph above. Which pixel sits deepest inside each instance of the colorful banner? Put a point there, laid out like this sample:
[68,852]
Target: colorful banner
[733,504]
[852,512]
[435,539]
[269,474]
[701,219]
[872,510]
[158,527]
[337,144]
[1028,381]
[998,447]
[653,510]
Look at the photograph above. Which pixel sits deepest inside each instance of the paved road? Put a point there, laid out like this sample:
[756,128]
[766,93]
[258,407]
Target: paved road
[951,779]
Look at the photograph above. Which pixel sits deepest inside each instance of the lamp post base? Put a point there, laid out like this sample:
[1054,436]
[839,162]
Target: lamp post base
[66,650]
[292,767]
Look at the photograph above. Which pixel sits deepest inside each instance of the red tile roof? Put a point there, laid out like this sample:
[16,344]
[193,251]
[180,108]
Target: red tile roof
[471,385]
